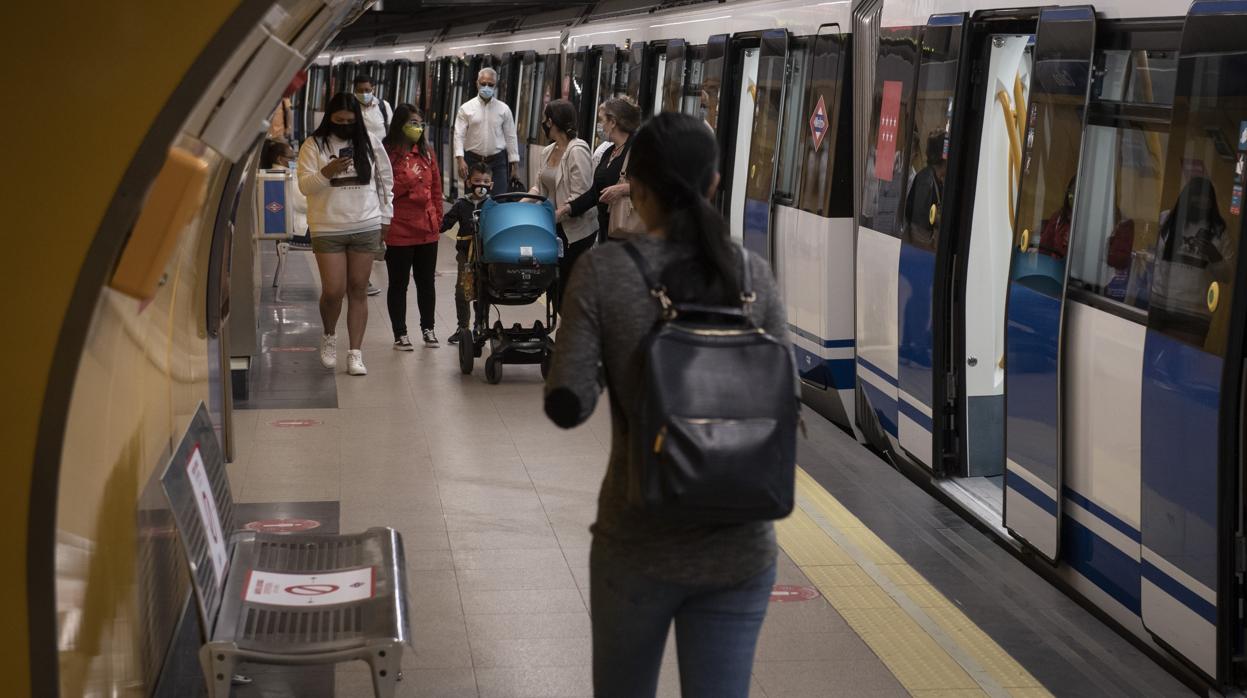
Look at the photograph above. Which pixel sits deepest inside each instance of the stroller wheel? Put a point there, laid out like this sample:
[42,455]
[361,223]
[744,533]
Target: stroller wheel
[493,370]
[467,351]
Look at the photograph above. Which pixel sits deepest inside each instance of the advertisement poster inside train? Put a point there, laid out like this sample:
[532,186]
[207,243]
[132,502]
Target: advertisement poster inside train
[889,122]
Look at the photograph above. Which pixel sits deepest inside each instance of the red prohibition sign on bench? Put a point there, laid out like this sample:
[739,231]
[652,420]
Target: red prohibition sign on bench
[311,589]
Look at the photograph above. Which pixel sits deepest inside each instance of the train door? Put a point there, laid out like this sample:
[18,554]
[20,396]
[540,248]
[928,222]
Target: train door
[977,218]
[654,77]
[712,81]
[607,67]
[1053,124]
[920,397]
[764,142]
[546,79]
[637,76]
[879,226]
[527,87]
[1193,352]
[736,123]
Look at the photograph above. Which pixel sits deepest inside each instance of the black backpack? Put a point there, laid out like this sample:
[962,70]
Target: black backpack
[719,412]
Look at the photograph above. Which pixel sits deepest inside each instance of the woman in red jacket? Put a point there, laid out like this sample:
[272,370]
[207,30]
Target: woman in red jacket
[411,241]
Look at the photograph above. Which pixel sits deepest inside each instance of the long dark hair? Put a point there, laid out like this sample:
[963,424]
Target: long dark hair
[674,156]
[562,114]
[1184,212]
[395,138]
[364,157]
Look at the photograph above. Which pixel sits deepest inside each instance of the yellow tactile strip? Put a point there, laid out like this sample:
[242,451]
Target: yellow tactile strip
[934,650]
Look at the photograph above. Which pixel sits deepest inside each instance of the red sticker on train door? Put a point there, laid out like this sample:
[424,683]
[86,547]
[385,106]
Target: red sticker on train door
[889,124]
[818,123]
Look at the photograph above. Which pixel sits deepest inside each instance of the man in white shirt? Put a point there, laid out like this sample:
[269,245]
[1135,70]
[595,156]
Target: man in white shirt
[485,132]
[376,111]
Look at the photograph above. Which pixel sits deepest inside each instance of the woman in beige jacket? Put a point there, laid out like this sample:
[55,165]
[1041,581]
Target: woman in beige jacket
[566,173]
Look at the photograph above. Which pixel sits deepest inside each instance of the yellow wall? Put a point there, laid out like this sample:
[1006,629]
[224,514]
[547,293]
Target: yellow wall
[92,77]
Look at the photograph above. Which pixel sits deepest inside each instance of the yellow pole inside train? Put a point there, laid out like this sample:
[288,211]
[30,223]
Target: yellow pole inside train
[89,80]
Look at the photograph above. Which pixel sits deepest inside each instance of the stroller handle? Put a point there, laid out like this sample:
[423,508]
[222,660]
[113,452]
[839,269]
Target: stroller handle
[517,196]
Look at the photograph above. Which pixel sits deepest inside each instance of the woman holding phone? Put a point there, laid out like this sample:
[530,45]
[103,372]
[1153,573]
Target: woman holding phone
[346,177]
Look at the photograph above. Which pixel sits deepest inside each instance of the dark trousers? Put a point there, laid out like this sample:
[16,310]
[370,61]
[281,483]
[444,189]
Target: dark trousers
[463,313]
[419,262]
[571,252]
[716,630]
[497,165]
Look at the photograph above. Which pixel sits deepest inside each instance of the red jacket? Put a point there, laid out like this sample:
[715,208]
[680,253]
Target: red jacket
[417,198]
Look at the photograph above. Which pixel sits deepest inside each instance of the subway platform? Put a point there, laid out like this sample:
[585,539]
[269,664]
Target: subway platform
[882,590]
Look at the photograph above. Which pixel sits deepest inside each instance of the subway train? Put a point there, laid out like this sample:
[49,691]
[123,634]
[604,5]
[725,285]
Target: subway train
[1007,240]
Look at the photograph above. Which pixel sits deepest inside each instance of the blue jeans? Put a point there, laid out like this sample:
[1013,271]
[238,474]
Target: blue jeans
[716,631]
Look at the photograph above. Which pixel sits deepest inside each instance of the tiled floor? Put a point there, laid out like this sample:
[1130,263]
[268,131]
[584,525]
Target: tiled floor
[494,504]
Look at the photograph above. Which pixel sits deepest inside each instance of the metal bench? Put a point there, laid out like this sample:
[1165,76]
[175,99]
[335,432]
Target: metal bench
[294,599]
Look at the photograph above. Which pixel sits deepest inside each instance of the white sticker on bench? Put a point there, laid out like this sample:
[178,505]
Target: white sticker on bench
[526,251]
[279,589]
[206,504]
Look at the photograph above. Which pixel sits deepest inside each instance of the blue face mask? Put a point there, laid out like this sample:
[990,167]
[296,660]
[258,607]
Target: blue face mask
[364,98]
[486,92]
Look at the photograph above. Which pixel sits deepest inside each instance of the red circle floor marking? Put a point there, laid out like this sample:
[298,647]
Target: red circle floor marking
[312,589]
[296,423]
[787,593]
[282,525]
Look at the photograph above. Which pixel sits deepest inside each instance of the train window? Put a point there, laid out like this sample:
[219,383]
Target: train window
[712,79]
[530,83]
[933,116]
[1135,76]
[1197,241]
[694,102]
[826,184]
[886,170]
[766,123]
[793,132]
[1117,219]
[623,73]
[573,83]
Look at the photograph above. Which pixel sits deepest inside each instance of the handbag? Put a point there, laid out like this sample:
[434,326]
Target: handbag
[624,221]
[718,414]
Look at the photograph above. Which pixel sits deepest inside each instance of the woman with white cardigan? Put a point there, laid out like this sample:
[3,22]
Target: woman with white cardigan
[346,176]
[566,173]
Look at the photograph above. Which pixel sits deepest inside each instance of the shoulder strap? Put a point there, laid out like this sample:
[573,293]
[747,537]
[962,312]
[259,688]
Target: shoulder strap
[656,289]
[747,296]
[385,114]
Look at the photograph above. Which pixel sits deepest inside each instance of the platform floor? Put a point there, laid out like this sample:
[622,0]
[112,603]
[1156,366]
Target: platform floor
[887,592]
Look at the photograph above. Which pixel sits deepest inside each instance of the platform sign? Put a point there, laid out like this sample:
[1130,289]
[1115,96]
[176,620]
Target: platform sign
[326,589]
[205,503]
[272,213]
[818,123]
[889,124]
[282,525]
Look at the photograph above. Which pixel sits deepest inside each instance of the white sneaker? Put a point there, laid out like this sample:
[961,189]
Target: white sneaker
[355,363]
[329,350]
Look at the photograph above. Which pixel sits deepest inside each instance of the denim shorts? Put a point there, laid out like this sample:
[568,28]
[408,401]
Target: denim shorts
[367,242]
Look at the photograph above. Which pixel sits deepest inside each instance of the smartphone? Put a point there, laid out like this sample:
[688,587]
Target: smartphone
[347,152]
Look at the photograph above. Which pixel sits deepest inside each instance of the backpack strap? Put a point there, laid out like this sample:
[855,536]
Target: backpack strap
[656,289]
[385,115]
[747,295]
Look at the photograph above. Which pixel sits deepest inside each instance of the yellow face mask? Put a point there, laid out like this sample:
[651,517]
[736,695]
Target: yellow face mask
[413,132]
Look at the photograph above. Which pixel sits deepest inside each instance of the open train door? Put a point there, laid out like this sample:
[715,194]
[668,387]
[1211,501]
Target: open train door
[763,151]
[1035,308]
[1191,568]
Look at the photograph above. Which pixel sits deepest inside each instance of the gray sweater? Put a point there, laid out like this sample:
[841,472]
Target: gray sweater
[607,314]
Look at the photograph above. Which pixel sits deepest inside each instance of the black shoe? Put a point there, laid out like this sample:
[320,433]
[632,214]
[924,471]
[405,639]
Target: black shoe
[454,338]
[430,339]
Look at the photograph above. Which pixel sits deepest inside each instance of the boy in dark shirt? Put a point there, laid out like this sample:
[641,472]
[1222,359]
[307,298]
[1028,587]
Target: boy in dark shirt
[480,182]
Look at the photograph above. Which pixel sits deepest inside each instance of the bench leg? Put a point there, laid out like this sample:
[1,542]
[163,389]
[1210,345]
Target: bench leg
[386,664]
[218,667]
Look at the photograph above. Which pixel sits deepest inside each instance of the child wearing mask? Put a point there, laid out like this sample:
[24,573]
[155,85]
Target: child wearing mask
[480,183]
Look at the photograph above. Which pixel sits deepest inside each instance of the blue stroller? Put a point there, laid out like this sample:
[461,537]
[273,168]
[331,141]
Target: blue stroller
[512,260]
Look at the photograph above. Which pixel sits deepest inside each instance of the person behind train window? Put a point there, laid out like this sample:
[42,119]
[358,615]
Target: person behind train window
[281,122]
[485,132]
[279,156]
[347,179]
[377,111]
[1054,237]
[926,194]
[618,120]
[411,244]
[713,581]
[566,173]
[1194,250]
[463,214]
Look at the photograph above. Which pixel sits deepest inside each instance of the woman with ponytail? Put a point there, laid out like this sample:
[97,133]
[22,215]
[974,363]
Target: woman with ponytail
[712,581]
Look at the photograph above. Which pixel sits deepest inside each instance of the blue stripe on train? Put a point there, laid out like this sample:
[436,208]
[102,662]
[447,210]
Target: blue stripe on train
[834,373]
[884,406]
[1032,493]
[825,343]
[916,415]
[1177,590]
